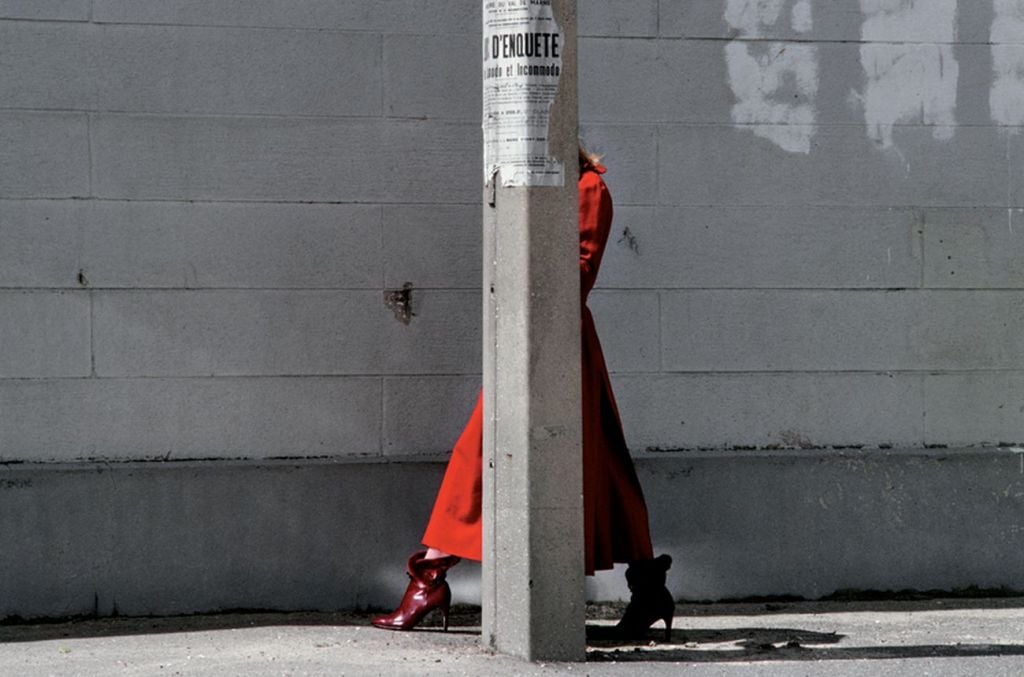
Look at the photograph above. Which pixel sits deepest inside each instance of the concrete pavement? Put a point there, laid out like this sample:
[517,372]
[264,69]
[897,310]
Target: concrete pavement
[930,637]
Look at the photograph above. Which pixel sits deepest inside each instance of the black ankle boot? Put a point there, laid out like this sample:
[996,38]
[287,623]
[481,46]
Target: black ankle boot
[650,600]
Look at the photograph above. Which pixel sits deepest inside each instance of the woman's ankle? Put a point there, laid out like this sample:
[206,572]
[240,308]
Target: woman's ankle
[434,553]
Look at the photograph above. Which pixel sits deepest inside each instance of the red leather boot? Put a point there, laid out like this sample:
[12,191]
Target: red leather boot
[427,591]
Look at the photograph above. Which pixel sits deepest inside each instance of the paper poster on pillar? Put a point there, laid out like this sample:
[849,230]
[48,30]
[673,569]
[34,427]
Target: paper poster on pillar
[522,64]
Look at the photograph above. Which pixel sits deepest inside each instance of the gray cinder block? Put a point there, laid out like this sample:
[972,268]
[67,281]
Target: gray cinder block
[974,86]
[412,90]
[722,411]
[178,538]
[863,293]
[284,159]
[59,420]
[63,10]
[627,323]
[746,330]
[44,154]
[236,333]
[758,247]
[635,19]
[433,245]
[948,518]
[694,84]
[974,409]
[629,152]
[234,70]
[204,333]
[973,247]
[48,64]
[626,261]
[703,165]
[966,330]
[44,334]
[40,242]
[1015,150]
[831,21]
[634,80]
[609,87]
[399,16]
[443,336]
[974,23]
[816,523]
[175,244]
[423,415]
[700,81]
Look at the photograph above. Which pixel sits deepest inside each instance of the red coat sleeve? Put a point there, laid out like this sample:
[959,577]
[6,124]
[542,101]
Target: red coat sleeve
[595,224]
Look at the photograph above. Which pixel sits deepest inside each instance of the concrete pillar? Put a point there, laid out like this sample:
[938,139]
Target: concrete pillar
[533,583]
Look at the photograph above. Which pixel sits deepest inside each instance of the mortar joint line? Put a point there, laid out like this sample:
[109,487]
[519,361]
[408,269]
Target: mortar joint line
[661,335]
[380,422]
[922,393]
[1009,178]
[922,242]
[89,153]
[381,55]
[92,335]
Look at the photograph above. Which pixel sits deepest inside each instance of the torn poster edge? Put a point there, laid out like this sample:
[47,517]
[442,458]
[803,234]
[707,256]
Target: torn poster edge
[513,174]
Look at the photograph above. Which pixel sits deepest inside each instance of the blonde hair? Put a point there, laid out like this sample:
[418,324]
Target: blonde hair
[588,158]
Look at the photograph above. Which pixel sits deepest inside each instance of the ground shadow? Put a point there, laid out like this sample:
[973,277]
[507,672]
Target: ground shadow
[464,619]
[918,602]
[684,649]
[604,636]
[699,645]
[783,643]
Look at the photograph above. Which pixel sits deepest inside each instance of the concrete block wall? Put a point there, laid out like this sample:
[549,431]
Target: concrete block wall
[204,206]
[819,204]
[220,198]
[201,210]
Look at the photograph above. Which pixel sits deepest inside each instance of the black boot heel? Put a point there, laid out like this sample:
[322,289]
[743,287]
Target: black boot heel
[650,600]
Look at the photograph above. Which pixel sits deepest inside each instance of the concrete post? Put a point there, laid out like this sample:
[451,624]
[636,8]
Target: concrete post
[533,584]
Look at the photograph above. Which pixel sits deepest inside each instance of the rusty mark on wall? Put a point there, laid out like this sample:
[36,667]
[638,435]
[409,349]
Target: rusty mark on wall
[400,302]
[630,239]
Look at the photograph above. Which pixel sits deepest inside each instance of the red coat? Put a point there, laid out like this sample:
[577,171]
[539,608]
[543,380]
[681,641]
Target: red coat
[614,512]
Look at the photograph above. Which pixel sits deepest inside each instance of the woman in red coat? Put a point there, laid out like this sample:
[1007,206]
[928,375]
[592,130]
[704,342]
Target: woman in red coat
[614,512]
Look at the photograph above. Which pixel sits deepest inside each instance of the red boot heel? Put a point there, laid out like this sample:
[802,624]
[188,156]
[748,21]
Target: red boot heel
[444,613]
[428,590]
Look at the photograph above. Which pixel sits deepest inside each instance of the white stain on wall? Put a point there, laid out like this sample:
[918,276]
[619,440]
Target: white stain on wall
[752,17]
[1006,98]
[911,73]
[802,21]
[774,83]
